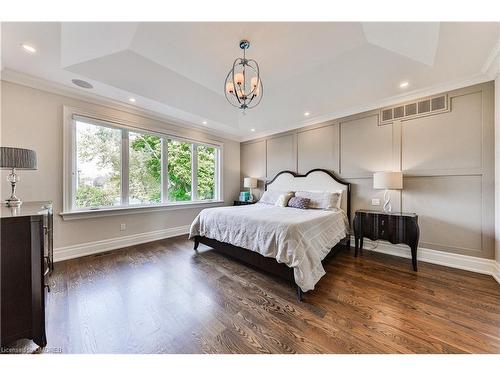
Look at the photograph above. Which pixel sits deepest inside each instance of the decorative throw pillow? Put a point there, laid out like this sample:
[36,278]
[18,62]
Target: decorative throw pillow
[283,200]
[325,200]
[271,196]
[299,202]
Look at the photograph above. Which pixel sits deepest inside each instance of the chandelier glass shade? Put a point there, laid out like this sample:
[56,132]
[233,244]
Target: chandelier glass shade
[243,86]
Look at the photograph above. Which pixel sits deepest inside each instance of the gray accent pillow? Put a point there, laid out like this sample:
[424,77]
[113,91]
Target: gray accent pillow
[299,202]
[325,200]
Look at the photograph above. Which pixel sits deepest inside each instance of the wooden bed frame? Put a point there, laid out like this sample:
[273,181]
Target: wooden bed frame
[270,265]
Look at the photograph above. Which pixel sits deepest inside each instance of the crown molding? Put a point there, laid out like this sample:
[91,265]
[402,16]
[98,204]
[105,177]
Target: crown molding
[377,104]
[491,67]
[23,79]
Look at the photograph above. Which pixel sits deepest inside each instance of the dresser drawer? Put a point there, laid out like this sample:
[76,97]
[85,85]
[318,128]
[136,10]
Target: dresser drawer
[382,227]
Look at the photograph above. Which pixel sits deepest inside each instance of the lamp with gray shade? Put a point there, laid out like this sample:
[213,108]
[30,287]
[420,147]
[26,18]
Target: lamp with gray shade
[388,181]
[16,158]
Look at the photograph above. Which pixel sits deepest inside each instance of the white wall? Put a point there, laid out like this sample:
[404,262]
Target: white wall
[33,119]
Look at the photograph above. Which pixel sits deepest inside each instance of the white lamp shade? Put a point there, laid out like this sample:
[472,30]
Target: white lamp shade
[250,182]
[388,180]
[239,78]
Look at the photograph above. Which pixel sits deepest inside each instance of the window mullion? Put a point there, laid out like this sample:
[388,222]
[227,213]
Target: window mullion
[217,181]
[125,168]
[74,170]
[194,172]
[164,170]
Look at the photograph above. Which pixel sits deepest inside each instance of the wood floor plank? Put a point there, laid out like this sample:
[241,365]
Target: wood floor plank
[162,297]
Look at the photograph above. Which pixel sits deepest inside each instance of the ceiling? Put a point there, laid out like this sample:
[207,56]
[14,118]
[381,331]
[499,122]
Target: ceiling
[177,70]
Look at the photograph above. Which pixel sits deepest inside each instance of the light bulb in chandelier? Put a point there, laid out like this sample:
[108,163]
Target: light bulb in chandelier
[229,88]
[240,91]
[239,79]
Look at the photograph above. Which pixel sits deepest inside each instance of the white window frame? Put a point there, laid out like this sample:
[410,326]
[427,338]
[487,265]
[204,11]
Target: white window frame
[70,211]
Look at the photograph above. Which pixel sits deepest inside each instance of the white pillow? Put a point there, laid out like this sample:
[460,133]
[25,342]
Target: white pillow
[283,200]
[325,200]
[271,196]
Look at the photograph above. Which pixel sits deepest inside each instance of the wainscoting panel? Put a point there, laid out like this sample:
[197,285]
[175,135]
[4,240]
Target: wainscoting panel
[447,160]
[451,223]
[253,159]
[281,155]
[449,141]
[319,148]
[365,147]
[362,193]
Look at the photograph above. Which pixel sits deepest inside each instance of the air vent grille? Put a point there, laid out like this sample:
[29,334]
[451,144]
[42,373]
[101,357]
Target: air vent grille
[411,109]
[387,115]
[418,108]
[399,112]
[424,106]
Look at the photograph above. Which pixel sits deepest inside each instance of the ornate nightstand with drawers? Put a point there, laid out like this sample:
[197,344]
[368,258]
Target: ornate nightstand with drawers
[395,227]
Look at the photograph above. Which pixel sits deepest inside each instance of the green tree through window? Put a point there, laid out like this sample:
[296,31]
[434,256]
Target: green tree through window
[206,172]
[144,168]
[179,171]
[98,152]
[98,164]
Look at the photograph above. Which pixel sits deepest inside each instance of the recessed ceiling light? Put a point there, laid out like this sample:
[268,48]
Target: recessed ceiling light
[28,48]
[81,83]
[204,122]
[403,84]
[306,114]
[131,100]
[252,130]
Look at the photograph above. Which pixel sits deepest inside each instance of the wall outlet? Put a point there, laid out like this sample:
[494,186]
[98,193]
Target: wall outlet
[123,226]
[375,202]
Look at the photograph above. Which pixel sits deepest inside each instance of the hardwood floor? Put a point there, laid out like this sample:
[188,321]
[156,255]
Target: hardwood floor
[162,297]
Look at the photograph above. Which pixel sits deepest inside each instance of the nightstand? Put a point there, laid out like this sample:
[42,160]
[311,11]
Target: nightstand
[242,203]
[395,227]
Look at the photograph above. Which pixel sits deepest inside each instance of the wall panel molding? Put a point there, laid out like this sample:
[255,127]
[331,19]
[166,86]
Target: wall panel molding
[451,146]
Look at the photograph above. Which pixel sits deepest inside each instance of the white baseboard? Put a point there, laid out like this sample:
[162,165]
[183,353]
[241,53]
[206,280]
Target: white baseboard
[95,247]
[463,262]
[496,271]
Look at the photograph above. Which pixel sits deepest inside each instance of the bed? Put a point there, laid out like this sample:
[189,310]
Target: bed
[290,243]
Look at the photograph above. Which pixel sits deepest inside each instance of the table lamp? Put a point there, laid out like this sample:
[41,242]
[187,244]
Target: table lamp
[16,158]
[250,182]
[388,181]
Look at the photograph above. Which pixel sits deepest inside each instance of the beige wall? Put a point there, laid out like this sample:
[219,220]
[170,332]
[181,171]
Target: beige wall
[33,119]
[447,159]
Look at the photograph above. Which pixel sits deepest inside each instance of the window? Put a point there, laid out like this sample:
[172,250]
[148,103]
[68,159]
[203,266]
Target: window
[98,165]
[119,166]
[144,168]
[207,168]
[179,170]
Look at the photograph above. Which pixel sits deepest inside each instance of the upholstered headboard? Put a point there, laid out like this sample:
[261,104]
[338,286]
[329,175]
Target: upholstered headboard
[314,180]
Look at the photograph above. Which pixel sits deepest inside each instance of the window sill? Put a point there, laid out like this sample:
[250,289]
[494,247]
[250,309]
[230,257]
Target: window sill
[127,210]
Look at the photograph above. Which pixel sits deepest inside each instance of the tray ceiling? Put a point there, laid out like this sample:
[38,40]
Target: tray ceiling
[178,69]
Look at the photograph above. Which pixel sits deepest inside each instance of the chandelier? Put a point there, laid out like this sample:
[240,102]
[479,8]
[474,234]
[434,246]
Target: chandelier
[243,86]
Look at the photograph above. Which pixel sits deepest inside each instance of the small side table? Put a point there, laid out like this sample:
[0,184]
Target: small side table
[242,203]
[395,227]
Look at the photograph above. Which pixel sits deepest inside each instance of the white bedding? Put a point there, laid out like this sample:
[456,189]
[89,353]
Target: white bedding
[299,238]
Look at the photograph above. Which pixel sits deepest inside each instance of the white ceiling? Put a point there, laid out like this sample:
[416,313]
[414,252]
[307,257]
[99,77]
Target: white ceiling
[177,70]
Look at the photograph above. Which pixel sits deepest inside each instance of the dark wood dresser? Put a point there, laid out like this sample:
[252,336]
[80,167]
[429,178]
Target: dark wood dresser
[395,227]
[26,263]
